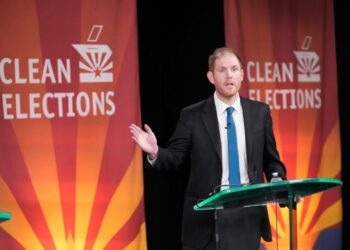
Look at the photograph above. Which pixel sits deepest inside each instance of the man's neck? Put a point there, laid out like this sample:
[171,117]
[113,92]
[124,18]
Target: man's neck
[229,101]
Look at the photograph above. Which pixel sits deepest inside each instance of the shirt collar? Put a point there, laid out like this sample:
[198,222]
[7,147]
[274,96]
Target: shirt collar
[221,106]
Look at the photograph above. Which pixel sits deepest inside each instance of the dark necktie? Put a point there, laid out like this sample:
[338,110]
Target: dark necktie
[234,176]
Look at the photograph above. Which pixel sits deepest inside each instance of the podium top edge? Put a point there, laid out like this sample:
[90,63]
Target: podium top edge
[5,216]
[288,185]
[335,182]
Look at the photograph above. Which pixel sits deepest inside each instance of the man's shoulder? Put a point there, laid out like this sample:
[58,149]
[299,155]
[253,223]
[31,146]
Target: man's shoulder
[253,103]
[198,106]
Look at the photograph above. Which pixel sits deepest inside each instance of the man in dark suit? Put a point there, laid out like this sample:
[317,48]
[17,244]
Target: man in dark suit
[201,137]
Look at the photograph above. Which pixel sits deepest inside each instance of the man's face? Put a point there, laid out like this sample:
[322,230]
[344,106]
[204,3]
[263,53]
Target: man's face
[227,77]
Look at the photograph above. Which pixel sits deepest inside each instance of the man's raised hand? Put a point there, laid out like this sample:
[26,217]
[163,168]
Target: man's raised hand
[145,139]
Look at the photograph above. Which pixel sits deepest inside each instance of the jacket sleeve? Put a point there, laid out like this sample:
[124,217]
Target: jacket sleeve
[177,150]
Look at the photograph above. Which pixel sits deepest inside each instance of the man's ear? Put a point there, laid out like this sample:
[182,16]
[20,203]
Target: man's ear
[210,76]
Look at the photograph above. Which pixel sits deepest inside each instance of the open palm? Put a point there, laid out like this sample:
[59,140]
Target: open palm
[145,139]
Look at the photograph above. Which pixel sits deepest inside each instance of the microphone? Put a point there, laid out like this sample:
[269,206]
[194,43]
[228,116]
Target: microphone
[252,176]
[228,126]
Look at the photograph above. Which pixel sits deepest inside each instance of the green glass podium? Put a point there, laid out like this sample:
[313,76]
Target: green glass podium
[4,216]
[283,192]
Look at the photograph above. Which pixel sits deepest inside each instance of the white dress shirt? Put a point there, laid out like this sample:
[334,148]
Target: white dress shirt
[242,153]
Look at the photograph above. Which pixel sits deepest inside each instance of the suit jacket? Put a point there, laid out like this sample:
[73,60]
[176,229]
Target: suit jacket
[197,139]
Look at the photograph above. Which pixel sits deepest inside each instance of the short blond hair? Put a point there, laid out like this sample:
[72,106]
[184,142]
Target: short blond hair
[220,52]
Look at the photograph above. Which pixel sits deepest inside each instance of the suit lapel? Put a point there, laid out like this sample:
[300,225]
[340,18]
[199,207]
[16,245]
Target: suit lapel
[209,118]
[211,124]
[248,117]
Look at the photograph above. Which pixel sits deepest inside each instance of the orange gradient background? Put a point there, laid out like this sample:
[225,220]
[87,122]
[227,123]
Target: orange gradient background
[307,138]
[71,182]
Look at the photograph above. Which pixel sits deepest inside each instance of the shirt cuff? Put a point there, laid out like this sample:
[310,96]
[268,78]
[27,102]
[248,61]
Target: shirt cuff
[151,162]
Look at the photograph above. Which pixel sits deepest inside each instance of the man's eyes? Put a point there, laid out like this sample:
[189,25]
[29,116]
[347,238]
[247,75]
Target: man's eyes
[233,69]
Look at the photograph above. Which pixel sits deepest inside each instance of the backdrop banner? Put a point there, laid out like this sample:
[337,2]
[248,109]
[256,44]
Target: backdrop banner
[288,52]
[70,174]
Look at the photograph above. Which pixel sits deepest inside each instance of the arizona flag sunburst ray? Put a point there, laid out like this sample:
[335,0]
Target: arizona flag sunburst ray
[288,48]
[70,174]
